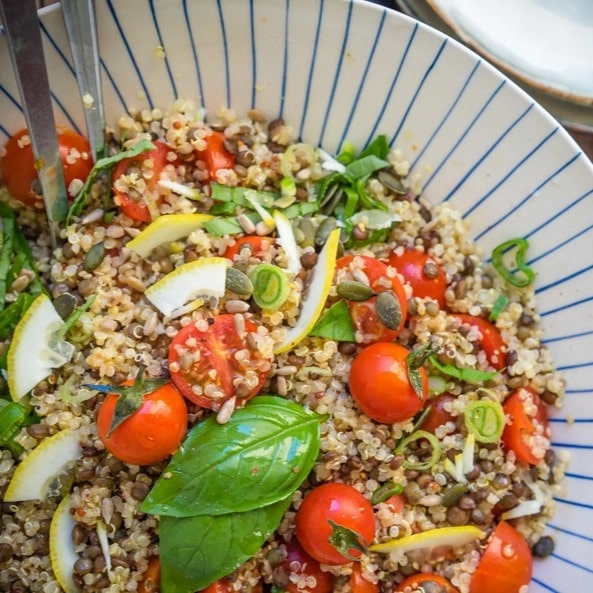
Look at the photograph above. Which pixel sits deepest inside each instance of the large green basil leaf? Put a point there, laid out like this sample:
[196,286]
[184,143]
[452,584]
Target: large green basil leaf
[260,456]
[196,551]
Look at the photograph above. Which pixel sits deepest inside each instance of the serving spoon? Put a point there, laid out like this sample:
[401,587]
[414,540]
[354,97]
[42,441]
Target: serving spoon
[23,34]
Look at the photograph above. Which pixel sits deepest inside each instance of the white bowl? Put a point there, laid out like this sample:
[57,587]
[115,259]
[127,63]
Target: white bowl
[348,70]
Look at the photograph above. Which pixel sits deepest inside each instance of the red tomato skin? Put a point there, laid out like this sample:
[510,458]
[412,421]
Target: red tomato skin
[507,563]
[491,341]
[410,264]
[515,434]
[220,586]
[438,415]
[217,346]
[380,386]
[299,562]
[140,439]
[17,164]
[337,502]
[415,582]
[215,155]
[151,581]
[364,314]
[259,246]
[138,210]
[359,584]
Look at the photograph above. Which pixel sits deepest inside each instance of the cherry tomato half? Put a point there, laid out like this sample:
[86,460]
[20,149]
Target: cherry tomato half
[438,414]
[364,314]
[17,164]
[151,580]
[338,503]
[215,155]
[418,582]
[147,166]
[507,563]
[204,366]
[259,246]
[528,431]
[360,584]
[140,438]
[490,340]
[380,385]
[423,273]
[298,562]
[220,586]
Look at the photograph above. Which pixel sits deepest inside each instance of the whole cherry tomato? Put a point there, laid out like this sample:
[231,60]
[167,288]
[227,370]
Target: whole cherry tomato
[329,507]
[141,438]
[215,154]
[151,580]
[528,431]
[423,273]
[298,562]
[380,383]
[259,246]
[418,583]
[507,563]
[360,584]
[438,414]
[490,340]
[205,369]
[146,167]
[17,164]
[364,314]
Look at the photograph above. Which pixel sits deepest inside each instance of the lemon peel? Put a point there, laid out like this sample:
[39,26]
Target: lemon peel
[441,537]
[166,229]
[314,301]
[201,278]
[34,350]
[62,553]
[34,475]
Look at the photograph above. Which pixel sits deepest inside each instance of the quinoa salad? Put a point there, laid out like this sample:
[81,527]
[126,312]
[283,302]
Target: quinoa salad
[249,365]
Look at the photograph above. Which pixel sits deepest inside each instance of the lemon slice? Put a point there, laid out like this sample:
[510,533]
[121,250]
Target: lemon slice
[166,229]
[35,476]
[202,278]
[433,539]
[34,351]
[314,301]
[61,546]
[288,242]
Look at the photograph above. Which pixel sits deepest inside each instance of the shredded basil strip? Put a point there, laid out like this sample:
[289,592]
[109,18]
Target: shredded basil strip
[462,373]
[335,324]
[521,275]
[101,165]
[485,419]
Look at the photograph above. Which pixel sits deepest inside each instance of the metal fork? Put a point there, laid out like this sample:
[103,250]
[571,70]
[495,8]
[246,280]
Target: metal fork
[79,18]
[23,33]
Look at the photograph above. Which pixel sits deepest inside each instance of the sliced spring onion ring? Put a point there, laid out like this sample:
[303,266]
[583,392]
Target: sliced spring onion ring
[501,302]
[435,454]
[522,275]
[270,286]
[385,492]
[485,419]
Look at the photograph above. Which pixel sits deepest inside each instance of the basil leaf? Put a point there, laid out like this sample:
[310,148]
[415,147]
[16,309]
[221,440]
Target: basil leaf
[335,324]
[364,166]
[196,551]
[462,373]
[260,456]
[379,147]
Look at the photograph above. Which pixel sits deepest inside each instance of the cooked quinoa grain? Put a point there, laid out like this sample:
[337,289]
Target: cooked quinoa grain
[122,332]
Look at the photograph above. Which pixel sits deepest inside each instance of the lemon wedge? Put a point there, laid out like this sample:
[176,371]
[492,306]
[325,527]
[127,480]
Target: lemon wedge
[288,242]
[34,351]
[166,229]
[431,540]
[61,546]
[314,300]
[35,476]
[202,278]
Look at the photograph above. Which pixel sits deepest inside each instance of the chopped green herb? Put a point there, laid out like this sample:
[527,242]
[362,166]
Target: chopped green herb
[462,373]
[519,274]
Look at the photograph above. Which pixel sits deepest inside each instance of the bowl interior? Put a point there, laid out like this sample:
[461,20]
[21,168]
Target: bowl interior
[340,70]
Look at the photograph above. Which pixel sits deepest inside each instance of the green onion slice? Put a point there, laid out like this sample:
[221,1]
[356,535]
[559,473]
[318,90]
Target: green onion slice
[385,492]
[485,419]
[521,275]
[12,417]
[270,286]
[435,454]
[501,302]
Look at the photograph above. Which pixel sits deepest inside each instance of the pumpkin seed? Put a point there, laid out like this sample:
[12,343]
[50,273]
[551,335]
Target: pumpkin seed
[392,182]
[452,495]
[389,310]
[332,198]
[324,230]
[64,304]
[238,282]
[354,291]
[308,229]
[94,256]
